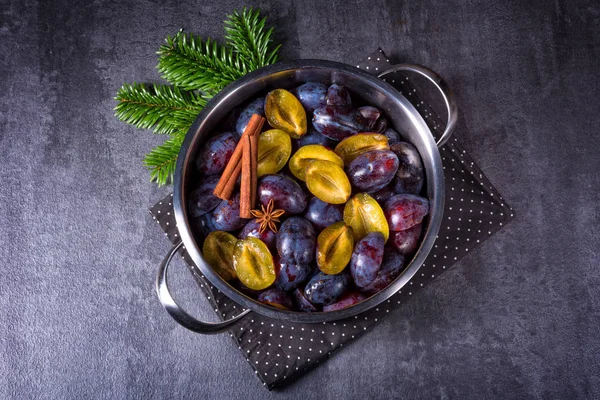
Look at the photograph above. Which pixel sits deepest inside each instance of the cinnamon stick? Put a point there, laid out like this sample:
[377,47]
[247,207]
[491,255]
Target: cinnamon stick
[246,185]
[229,184]
[226,184]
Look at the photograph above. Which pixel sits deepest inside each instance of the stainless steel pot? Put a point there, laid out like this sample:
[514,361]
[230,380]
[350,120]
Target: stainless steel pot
[374,91]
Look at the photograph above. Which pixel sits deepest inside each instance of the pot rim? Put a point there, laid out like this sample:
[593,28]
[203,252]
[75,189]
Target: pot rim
[435,185]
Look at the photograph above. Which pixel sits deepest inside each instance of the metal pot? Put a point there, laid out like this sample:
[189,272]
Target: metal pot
[374,91]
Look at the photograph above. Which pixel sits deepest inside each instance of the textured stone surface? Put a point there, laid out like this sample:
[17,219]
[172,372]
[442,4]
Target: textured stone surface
[78,315]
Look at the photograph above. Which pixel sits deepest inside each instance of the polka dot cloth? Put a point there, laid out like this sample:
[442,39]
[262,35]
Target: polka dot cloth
[281,351]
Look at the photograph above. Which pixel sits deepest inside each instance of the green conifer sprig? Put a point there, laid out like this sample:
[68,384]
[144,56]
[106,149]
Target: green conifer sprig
[193,64]
[196,70]
[245,32]
[164,109]
[162,160]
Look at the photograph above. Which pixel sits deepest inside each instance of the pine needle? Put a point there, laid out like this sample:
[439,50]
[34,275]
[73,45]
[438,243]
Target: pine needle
[245,32]
[164,109]
[162,160]
[193,64]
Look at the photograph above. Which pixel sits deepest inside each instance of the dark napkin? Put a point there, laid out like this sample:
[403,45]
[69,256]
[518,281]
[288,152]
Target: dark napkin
[281,351]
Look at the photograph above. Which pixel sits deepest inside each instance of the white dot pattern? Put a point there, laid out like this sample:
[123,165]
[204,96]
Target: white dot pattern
[279,351]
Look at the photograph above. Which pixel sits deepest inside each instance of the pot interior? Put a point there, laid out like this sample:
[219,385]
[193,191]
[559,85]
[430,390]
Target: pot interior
[402,116]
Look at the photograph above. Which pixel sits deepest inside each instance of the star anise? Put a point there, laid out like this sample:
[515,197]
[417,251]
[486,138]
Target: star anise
[268,216]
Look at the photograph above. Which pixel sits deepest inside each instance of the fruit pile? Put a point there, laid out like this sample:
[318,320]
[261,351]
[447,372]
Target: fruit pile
[340,212]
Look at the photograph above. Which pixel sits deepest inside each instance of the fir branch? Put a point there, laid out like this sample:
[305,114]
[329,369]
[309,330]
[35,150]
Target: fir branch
[161,160]
[198,70]
[193,64]
[164,109]
[245,32]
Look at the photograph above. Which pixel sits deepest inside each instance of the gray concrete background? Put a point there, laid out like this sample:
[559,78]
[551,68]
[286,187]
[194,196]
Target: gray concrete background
[517,318]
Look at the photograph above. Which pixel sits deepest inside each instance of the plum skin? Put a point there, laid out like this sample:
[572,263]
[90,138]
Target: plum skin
[311,95]
[373,170]
[404,211]
[290,274]
[276,298]
[226,216]
[296,240]
[366,259]
[410,175]
[216,153]
[323,214]
[256,106]
[202,200]
[323,289]
[252,228]
[285,192]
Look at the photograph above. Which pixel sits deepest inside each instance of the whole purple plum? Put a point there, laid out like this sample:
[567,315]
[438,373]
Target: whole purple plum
[256,106]
[285,192]
[226,217]
[373,170]
[366,259]
[311,95]
[216,153]
[411,174]
[323,289]
[338,122]
[323,214]
[202,200]
[404,211]
[296,240]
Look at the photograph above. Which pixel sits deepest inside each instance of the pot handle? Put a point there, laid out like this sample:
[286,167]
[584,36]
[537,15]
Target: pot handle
[183,318]
[442,86]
